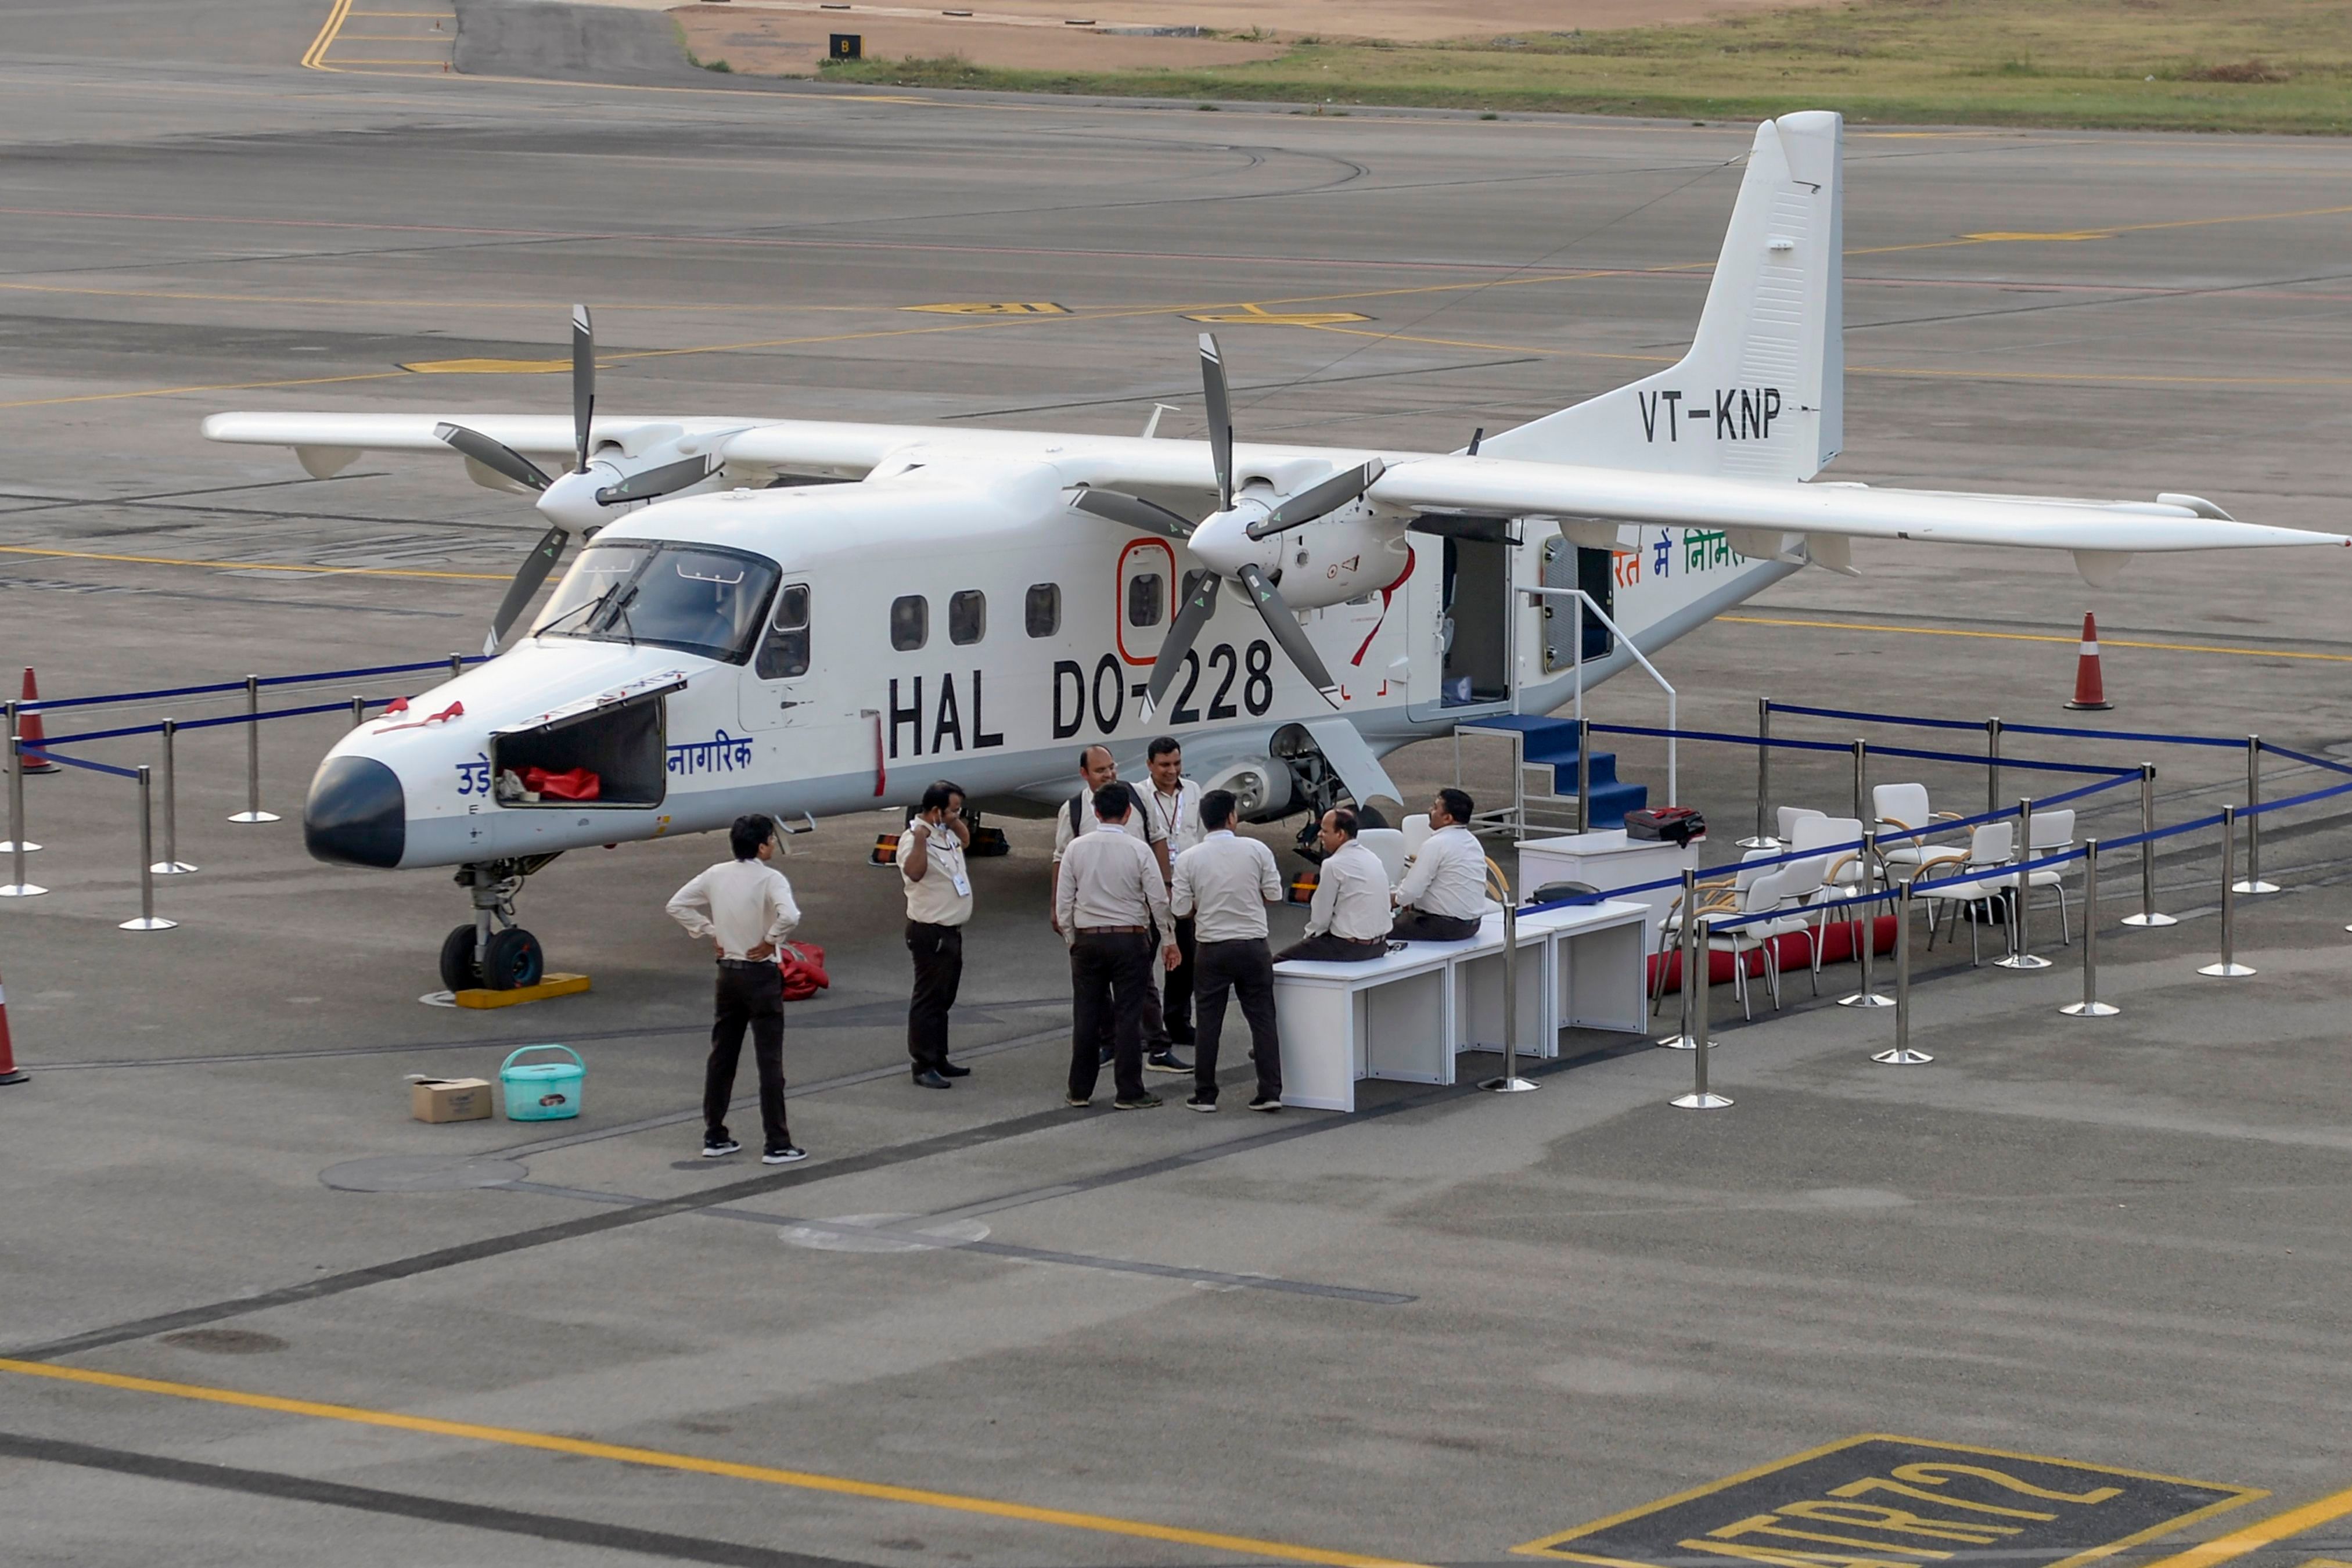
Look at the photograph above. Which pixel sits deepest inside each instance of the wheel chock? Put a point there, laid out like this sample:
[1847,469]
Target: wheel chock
[553,986]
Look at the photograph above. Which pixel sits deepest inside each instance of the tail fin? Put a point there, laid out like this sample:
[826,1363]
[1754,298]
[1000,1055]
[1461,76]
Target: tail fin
[1761,394]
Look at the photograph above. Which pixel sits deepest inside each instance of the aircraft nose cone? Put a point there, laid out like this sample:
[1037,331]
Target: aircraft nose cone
[356,814]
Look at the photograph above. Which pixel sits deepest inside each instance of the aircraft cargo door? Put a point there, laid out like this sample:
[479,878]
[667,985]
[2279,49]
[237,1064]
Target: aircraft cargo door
[1473,626]
[780,684]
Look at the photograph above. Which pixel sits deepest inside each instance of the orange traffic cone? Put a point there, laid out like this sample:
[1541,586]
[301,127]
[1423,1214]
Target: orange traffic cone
[30,726]
[2090,691]
[8,1073]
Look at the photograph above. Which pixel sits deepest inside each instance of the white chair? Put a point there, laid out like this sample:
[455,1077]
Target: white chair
[1717,896]
[1388,845]
[1991,845]
[1805,889]
[1774,891]
[1900,807]
[2052,830]
[1790,816]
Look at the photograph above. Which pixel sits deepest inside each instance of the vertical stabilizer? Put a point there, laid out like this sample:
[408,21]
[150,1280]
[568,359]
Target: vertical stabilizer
[1761,394]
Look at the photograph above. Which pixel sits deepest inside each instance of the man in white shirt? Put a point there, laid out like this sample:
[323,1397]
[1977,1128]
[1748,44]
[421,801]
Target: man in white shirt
[1348,921]
[1097,769]
[1109,898]
[744,906]
[1173,802]
[1221,887]
[1443,893]
[938,906]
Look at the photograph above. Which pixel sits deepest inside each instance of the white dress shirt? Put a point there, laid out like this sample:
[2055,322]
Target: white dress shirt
[1351,898]
[1110,879]
[943,897]
[1448,876]
[743,903]
[1223,884]
[1138,827]
[1175,817]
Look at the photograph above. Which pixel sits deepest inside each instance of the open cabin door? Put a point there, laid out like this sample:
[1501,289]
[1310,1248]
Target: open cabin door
[1465,664]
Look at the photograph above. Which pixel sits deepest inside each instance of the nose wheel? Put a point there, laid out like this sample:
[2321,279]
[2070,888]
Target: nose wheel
[490,951]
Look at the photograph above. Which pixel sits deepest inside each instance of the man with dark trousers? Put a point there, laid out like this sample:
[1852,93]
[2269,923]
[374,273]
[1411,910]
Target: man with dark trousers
[938,906]
[1348,921]
[744,906]
[1174,804]
[1097,769]
[1107,902]
[1443,893]
[1224,883]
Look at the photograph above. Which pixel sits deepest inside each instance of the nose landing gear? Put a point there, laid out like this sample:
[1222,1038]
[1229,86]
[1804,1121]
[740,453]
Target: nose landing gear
[491,952]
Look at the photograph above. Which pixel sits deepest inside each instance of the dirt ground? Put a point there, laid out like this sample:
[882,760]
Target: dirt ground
[787,38]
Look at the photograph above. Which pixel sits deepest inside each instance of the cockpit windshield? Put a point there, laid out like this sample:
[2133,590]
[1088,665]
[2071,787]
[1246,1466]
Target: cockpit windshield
[694,598]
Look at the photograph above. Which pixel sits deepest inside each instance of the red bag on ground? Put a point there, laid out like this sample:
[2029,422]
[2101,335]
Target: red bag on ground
[578,784]
[803,966]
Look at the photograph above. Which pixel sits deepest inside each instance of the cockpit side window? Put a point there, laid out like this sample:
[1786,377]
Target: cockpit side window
[698,598]
[784,654]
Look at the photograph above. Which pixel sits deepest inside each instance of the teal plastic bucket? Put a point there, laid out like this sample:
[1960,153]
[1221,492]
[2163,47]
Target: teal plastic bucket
[542,1092]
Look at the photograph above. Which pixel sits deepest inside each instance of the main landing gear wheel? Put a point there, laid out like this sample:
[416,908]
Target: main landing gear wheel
[512,960]
[460,963]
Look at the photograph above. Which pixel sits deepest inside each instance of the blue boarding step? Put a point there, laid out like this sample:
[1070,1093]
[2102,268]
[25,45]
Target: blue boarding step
[1553,741]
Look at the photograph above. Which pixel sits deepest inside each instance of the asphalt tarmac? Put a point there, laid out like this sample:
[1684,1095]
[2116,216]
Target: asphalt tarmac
[1432,1332]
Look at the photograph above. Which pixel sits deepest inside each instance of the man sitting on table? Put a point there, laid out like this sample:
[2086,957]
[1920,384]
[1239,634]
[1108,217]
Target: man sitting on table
[1348,921]
[1443,893]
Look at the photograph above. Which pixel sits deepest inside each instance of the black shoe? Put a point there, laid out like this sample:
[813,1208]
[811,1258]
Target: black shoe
[927,1079]
[949,1069]
[1166,1061]
[713,1148]
[1264,1104]
[1140,1102]
[1197,1103]
[784,1154]
[1075,1104]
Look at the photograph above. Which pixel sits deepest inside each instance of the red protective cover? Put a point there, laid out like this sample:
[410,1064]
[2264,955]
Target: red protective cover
[803,966]
[579,783]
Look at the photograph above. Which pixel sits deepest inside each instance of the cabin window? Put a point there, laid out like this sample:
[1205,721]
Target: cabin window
[1043,609]
[911,623]
[1146,599]
[967,617]
[786,654]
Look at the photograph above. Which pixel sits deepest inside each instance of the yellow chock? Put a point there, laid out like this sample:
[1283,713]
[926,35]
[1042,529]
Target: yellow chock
[886,850]
[552,985]
[1302,886]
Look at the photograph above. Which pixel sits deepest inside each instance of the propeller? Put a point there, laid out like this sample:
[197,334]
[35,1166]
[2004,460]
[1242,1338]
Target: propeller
[1132,512]
[648,483]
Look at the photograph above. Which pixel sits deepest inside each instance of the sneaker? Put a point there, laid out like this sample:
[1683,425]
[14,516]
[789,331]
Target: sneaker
[1197,1103]
[1166,1061]
[784,1155]
[1075,1103]
[1263,1103]
[1141,1102]
[714,1148]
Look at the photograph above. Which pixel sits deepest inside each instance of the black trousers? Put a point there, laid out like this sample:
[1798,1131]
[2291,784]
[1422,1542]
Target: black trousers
[1244,969]
[752,995]
[938,971]
[1110,976]
[1330,948]
[1180,988]
[1413,925]
[1159,1018]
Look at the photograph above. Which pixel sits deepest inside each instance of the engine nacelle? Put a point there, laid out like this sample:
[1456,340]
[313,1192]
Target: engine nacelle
[1264,789]
[1338,557]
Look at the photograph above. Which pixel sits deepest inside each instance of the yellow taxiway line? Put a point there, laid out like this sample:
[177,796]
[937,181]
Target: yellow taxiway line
[806,1480]
[2070,638]
[2262,1533]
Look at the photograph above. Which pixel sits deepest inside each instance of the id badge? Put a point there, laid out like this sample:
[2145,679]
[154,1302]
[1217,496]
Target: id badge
[962,885]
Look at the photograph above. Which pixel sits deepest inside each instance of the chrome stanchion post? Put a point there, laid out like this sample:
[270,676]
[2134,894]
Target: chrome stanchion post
[18,887]
[147,919]
[2229,968]
[359,711]
[2253,882]
[1692,958]
[171,865]
[1700,1098]
[1510,1082]
[2090,1006]
[1866,929]
[1861,783]
[1584,775]
[1902,1055]
[253,812]
[1992,765]
[1765,838]
[2148,915]
[456,665]
[2021,935]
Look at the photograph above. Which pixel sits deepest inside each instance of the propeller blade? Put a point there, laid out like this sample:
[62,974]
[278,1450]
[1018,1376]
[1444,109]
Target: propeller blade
[658,481]
[584,381]
[1179,642]
[527,579]
[1221,419]
[1287,632]
[1132,512]
[1318,499]
[496,456]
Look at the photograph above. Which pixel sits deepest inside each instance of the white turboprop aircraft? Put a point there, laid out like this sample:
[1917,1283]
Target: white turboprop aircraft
[979,604]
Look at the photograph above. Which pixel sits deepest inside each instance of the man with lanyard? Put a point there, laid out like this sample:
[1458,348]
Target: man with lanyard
[1444,894]
[1109,898]
[1222,888]
[938,906]
[744,908]
[1098,770]
[1348,921]
[1174,803]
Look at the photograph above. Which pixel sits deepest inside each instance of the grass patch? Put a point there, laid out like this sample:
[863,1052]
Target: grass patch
[2182,65]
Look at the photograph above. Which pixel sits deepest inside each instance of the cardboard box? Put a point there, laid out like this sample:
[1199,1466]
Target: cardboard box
[449,1098]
